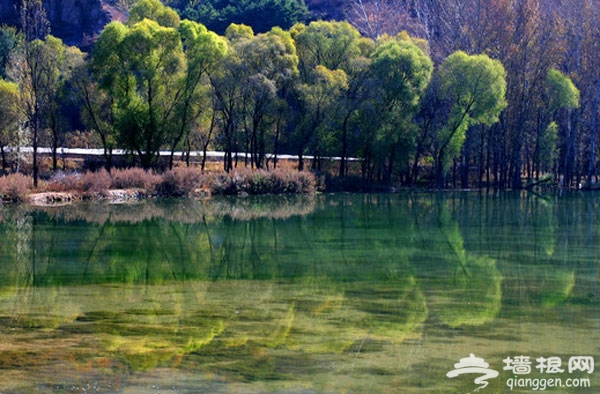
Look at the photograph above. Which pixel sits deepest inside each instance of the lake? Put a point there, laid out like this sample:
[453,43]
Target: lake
[341,293]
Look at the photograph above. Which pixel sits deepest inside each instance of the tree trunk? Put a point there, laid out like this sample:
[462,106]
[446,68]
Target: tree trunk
[55,132]
[276,144]
[343,169]
[593,125]
[36,127]
[300,161]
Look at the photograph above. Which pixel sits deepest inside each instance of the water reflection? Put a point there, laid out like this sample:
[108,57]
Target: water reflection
[292,294]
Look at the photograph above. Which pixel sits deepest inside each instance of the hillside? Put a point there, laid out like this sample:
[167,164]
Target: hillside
[78,22]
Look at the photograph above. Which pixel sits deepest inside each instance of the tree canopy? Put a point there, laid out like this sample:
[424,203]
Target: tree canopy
[261,15]
[491,95]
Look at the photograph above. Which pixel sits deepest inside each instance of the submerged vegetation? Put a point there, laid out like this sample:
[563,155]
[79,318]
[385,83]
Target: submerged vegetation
[224,287]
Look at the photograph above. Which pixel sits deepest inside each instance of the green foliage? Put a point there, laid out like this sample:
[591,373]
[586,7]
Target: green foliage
[9,41]
[238,32]
[330,44]
[10,115]
[9,102]
[562,92]
[152,80]
[204,51]
[474,89]
[250,88]
[153,10]
[261,15]
[401,71]
[203,48]
[42,69]
[319,107]
[546,152]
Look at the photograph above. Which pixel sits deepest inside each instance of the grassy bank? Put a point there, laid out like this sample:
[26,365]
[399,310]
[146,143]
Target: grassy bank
[179,182]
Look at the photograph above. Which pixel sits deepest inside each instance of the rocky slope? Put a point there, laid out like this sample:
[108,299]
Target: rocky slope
[76,22]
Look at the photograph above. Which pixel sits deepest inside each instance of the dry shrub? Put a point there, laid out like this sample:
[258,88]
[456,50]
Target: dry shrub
[15,187]
[279,181]
[64,182]
[291,181]
[230,183]
[260,182]
[135,178]
[180,182]
[96,182]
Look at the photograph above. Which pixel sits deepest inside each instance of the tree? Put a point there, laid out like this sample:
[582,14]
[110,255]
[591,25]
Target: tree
[581,23]
[97,111]
[9,42]
[153,10]
[260,15]
[473,88]
[34,70]
[375,18]
[228,92]
[270,67]
[546,149]
[141,68]
[563,98]
[318,112]
[41,70]
[9,116]
[203,52]
[33,19]
[360,90]
[250,88]
[402,72]
[329,44]
[326,50]
[68,60]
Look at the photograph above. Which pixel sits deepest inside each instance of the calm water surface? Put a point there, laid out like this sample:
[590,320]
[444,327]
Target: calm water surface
[325,294]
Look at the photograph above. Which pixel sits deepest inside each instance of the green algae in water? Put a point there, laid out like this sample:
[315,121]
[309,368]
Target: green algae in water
[355,293]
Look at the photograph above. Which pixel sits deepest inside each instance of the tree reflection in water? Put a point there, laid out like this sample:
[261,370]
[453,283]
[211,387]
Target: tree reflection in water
[273,289]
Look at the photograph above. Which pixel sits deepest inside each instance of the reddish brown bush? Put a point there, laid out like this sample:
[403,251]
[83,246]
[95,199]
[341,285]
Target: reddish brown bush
[15,187]
[64,182]
[180,182]
[96,182]
[135,178]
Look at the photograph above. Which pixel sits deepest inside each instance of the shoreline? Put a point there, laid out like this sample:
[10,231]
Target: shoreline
[123,185]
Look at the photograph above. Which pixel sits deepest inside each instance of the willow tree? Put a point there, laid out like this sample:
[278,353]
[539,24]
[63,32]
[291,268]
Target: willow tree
[203,51]
[402,71]
[141,67]
[270,66]
[228,92]
[473,88]
[153,10]
[563,98]
[319,108]
[325,51]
